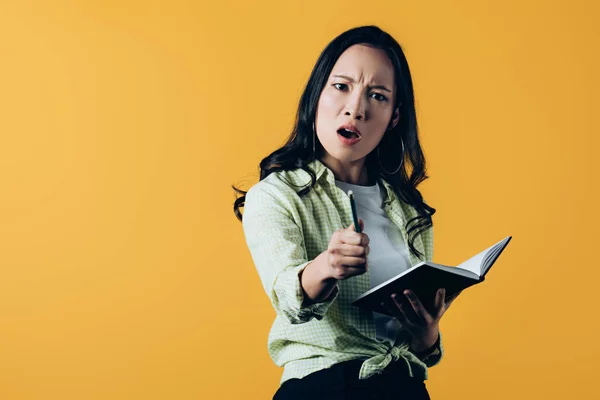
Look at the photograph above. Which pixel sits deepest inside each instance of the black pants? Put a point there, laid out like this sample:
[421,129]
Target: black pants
[340,382]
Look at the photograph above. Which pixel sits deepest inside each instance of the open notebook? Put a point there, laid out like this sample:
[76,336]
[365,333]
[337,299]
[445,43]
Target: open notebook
[425,278]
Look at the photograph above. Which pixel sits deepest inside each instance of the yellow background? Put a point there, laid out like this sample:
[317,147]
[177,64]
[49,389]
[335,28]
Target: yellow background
[123,272]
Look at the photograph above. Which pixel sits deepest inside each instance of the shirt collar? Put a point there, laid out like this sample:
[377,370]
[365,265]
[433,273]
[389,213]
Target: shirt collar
[323,172]
[389,190]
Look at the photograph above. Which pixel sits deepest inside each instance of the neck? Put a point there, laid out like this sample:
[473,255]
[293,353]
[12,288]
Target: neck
[353,172]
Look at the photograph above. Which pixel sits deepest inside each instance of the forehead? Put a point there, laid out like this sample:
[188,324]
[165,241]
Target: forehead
[364,62]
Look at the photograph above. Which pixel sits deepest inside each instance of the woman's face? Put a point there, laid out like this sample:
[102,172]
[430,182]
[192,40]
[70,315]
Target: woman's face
[356,105]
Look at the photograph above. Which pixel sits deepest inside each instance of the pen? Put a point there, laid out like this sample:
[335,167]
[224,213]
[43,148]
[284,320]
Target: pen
[354,213]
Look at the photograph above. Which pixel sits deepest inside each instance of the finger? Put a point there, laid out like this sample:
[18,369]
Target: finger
[452,298]
[406,311]
[349,236]
[361,225]
[439,303]
[350,261]
[357,239]
[350,265]
[417,306]
[391,309]
[409,316]
[349,272]
[349,250]
[345,272]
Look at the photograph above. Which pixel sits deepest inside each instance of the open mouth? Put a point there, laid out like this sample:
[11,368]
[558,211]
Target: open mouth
[348,134]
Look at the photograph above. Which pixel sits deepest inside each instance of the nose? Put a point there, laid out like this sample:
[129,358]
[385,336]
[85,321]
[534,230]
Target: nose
[356,107]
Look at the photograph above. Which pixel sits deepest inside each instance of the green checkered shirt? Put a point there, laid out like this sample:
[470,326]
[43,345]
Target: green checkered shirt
[284,232]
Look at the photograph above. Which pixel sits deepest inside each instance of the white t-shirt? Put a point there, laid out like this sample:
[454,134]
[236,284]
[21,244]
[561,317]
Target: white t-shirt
[388,255]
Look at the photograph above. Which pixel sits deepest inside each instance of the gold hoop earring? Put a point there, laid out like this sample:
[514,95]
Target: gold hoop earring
[399,166]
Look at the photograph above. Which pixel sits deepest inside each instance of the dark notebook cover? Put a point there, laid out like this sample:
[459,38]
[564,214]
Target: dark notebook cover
[425,278]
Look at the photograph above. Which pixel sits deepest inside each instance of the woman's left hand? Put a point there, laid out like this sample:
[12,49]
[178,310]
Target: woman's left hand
[422,325]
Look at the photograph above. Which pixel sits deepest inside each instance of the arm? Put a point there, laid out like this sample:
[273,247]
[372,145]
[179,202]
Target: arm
[344,258]
[276,244]
[316,285]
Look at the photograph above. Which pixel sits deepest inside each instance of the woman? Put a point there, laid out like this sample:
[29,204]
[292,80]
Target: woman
[355,130]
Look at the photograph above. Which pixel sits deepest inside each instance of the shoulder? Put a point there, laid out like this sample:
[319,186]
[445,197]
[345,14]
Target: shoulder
[279,188]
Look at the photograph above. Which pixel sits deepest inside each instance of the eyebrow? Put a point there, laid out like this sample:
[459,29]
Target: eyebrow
[372,87]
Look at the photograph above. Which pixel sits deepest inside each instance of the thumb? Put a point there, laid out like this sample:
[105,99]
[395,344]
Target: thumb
[361,224]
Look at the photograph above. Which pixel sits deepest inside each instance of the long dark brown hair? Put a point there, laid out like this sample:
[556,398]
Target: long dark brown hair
[298,152]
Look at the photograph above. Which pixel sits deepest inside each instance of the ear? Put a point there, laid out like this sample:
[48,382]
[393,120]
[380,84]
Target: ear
[395,118]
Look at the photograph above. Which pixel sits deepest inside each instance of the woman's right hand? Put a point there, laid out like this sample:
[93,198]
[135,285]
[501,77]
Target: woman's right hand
[347,253]
[345,257]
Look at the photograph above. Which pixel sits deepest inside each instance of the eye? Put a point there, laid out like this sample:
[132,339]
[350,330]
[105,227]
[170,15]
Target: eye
[340,86]
[378,96]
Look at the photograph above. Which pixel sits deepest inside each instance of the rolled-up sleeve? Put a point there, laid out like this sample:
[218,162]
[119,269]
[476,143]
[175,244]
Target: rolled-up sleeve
[277,247]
